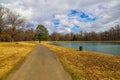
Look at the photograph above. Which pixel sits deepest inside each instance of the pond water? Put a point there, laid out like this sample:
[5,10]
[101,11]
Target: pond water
[104,47]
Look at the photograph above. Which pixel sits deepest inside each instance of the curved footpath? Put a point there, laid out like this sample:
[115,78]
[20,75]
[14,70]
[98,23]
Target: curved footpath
[41,64]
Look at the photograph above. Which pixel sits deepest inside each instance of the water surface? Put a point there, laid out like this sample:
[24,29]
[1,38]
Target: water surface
[104,47]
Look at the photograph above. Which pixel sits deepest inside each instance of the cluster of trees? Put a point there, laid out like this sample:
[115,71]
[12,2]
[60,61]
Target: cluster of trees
[13,26]
[109,35]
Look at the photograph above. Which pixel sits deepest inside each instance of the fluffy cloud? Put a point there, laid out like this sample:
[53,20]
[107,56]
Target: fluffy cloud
[66,15]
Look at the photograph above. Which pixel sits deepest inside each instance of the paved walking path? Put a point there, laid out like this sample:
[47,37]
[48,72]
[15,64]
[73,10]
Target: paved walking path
[41,64]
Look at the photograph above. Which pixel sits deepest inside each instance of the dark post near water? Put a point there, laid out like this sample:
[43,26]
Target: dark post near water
[80,48]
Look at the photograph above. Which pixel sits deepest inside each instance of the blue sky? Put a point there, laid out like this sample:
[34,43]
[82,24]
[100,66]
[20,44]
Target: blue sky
[65,16]
[56,22]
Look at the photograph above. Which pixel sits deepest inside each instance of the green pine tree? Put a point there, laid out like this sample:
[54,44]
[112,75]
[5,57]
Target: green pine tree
[41,33]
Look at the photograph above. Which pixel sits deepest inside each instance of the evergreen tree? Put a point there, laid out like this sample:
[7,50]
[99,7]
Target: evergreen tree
[41,33]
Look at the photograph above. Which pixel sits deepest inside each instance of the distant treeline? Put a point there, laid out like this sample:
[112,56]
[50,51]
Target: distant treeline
[112,34]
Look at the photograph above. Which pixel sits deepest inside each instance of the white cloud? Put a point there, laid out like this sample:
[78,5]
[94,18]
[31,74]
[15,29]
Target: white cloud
[7,1]
[46,11]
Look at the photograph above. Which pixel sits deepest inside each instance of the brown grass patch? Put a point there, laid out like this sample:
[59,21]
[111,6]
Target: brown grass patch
[11,54]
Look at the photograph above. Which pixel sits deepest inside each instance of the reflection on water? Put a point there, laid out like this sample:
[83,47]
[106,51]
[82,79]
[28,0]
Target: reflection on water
[105,47]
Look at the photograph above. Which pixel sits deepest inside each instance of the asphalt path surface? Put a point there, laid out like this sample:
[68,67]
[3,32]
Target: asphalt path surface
[41,64]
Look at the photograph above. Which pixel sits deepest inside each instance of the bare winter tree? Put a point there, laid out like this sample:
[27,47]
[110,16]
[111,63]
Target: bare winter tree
[2,13]
[14,21]
[29,35]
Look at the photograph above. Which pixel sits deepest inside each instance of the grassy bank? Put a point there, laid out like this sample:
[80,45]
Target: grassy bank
[86,65]
[11,54]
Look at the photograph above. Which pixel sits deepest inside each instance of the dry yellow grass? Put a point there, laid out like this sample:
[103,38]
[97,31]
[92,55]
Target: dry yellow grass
[86,65]
[11,54]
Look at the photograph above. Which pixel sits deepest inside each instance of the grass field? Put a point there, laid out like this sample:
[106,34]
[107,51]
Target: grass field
[86,65]
[11,54]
